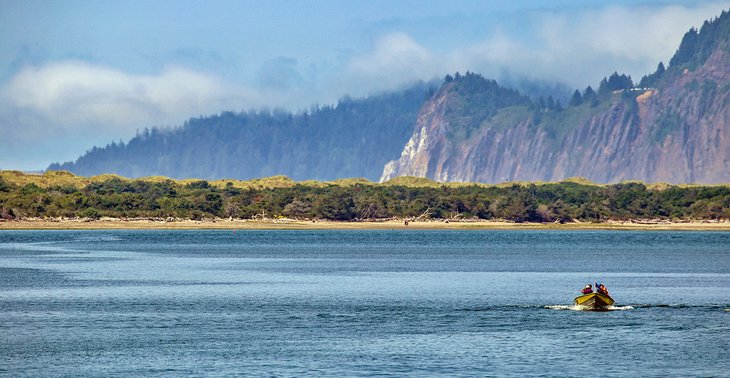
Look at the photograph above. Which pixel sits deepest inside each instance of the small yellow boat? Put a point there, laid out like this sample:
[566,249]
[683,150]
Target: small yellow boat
[594,302]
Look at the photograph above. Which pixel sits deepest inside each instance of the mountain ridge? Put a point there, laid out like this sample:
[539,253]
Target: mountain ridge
[359,135]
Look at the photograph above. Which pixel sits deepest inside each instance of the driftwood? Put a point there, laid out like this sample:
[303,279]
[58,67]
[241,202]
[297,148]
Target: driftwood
[426,213]
[368,212]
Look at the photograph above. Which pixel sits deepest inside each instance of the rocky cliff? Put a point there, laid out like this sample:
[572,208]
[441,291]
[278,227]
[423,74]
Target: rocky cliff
[677,130]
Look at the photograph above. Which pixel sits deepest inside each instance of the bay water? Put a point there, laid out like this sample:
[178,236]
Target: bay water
[360,303]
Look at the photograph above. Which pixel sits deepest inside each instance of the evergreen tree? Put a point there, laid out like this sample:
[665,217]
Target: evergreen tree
[615,82]
[686,49]
[550,103]
[651,80]
[590,96]
[697,46]
[577,99]
[589,93]
[603,86]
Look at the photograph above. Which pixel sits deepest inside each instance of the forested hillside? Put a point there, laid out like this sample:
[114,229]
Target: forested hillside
[355,138]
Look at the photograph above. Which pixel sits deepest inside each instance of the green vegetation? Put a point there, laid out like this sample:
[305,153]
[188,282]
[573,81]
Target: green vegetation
[59,194]
[668,122]
[476,103]
[650,81]
[615,82]
[475,99]
[559,123]
[697,46]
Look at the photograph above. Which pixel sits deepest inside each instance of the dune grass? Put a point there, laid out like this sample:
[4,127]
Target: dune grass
[64,178]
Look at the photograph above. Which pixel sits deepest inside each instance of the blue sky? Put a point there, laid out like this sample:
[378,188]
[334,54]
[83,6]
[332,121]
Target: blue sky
[74,74]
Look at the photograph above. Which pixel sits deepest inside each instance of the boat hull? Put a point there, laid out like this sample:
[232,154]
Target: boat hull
[594,301]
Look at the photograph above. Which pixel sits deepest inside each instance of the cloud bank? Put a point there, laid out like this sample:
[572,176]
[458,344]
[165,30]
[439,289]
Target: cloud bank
[74,92]
[72,104]
[575,48]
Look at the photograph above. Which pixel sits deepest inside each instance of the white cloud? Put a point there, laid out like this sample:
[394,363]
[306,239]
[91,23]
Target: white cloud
[56,111]
[81,94]
[395,53]
[394,60]
[577,47]
[582,47]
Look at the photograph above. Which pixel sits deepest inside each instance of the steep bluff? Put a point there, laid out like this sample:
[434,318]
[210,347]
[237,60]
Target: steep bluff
[677,130]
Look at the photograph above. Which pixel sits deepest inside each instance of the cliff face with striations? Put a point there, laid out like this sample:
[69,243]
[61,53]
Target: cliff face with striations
[677,130]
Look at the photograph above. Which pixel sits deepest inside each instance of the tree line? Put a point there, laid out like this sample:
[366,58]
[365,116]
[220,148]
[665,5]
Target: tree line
[553,202]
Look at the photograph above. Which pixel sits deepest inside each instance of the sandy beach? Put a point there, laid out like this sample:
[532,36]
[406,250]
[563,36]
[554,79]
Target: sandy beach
[290,224]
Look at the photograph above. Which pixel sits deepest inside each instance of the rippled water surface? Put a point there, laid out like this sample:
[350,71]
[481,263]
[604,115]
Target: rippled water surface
[344,303]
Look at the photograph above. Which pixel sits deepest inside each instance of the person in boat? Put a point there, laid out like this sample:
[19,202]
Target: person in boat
[603,290]
[587,290]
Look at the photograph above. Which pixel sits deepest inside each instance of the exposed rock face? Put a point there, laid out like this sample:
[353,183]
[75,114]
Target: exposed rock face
[678,132]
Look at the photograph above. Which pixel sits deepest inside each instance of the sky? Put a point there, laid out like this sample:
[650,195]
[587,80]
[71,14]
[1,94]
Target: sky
[78,74]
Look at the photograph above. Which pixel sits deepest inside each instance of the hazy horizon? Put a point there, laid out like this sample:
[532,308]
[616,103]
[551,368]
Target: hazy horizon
[77,74]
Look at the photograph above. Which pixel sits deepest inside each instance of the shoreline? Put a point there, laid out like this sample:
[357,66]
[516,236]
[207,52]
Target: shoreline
[290,224]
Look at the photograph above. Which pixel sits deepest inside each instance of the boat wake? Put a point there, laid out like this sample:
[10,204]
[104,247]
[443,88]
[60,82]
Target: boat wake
[620,308]
[581,308]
